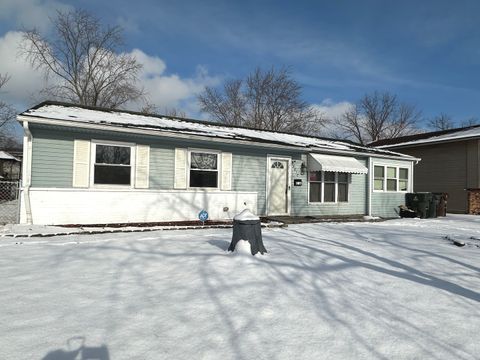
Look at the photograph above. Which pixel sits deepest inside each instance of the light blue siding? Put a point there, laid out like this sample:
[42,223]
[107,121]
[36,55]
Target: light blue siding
[162,166]
[249,174]
[52,160]
[52,166]
[355,206]
[386,204]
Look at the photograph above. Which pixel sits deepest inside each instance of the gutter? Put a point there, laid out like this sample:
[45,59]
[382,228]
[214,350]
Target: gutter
[130,130]
[370,189]
[27,170]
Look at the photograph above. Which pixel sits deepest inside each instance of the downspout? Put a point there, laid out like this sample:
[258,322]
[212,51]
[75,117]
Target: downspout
[27,171]
[369,196]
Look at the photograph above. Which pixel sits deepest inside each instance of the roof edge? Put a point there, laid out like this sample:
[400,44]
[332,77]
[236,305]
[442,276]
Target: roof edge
[184,119]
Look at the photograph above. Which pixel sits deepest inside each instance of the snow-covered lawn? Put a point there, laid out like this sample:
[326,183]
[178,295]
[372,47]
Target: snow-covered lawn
[390,290]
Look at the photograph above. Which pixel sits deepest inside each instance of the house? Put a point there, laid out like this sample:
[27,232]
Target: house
[9,167]
[86,165]
[450,163]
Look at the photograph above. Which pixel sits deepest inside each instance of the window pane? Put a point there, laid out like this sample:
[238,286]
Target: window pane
[404,174]
[329,176]
[118,155]
[329,192]
[403,185]
[342,177]
[391,172]
[378,171]
[203,161]
[315,176]
[200,178]
[113,175]
[342,192]
[391,185]
[315,190]
[378,184]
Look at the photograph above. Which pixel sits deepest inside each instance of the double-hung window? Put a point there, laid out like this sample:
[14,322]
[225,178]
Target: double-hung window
[390,178]
[328,187]
[203,169]
[113,165]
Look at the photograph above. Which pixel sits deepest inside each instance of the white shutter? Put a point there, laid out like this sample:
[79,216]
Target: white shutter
[226,171]
[180,169]
[81,163]
[142,162]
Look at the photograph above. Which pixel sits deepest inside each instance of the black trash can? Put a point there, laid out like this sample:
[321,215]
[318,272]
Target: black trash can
[247,226]
[419,202]
[433,206]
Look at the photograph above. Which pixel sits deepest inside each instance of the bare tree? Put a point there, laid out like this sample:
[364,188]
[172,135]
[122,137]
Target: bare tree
[83,61]
[7,112]
[7,119]
[471,121]
[378,116]
[266,99]
[441,122]
[149,108]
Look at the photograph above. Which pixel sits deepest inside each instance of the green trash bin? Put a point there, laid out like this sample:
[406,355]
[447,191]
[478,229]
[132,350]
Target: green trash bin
[419,202]
[433,207]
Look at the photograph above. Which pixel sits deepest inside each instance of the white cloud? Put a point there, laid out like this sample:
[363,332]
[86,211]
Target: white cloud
[332,110]
[171,90]
[30,13]
[163,90]
[25,81]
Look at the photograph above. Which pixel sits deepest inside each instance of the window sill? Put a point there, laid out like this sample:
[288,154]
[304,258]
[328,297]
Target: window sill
[328,203]
[389,192]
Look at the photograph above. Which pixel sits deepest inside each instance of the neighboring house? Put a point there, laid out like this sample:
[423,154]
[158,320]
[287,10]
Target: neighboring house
[85,165]
[10,167]
[450,162]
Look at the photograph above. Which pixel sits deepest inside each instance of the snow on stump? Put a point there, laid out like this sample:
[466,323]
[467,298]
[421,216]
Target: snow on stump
[246,226]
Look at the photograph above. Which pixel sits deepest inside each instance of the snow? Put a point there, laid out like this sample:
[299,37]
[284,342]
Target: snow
[7,156]
[388,290]
[120,118]
[245,215]
[243,248]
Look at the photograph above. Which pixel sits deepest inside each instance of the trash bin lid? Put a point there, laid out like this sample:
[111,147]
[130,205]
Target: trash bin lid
[245,215]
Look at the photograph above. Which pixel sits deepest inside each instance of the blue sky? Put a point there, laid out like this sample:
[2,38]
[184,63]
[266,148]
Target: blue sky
[426,52]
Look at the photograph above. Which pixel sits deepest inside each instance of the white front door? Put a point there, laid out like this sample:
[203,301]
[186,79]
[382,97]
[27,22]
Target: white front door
[278,187]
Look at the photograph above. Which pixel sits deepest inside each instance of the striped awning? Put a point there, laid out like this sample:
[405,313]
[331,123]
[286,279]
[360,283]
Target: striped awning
[343,164]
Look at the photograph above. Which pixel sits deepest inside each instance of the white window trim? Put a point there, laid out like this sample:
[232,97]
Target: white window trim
[219,167]
[322,187]
[397,167]
[93,151]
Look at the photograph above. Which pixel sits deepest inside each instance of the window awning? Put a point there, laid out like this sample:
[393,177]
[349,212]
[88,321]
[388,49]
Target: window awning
[343,164]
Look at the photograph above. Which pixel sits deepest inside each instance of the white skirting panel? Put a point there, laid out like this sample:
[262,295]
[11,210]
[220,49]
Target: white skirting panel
[54,206]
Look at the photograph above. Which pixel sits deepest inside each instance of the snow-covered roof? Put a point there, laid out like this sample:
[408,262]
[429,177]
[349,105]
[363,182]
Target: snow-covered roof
[121,118]
[6,156]
[431,137]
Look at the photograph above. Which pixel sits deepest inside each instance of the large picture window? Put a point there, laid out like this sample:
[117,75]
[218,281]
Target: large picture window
[203,170]
[328,187]
[112,165]
[390,178]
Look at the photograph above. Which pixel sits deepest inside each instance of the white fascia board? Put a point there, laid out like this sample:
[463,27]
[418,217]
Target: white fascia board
[130,130]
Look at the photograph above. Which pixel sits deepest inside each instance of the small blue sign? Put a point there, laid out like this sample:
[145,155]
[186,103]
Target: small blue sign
[203,215]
